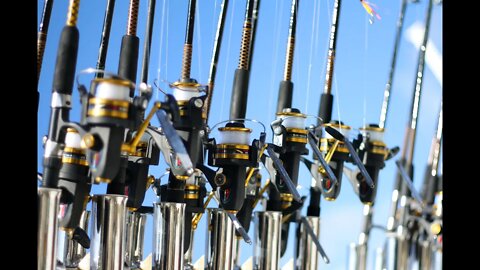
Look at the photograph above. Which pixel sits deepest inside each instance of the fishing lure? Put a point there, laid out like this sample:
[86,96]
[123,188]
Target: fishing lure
[369,8]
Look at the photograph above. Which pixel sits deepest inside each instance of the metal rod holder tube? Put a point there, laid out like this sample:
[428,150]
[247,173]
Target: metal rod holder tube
[70,252]
[393,255]
[168,231]
[135,239]
[189,253]
[48,203]
[268,225]
[107,247]
[236,255]
[307,253]
[220,243]
[362,256]
[426,255]
[379,259]
[352,257]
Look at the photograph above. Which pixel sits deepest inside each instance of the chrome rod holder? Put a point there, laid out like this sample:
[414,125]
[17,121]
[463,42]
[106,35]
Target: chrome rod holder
[268,225]
[70,252]
[107,247]
[135,234]
[168,231]
[48,204]
[220,240]
[307,254]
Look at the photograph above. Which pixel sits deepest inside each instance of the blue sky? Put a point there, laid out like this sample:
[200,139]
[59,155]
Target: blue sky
[363,58]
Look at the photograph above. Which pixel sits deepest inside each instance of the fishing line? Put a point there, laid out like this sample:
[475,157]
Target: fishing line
[276,33]
[228,61]
[166,45]
[199,42]
[315,21]
[160,48]
[213,20]
[364,80]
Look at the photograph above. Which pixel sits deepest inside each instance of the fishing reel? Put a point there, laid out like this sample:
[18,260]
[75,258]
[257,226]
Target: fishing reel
[290,139]
[336,153]
[232,155]
[75,185]
[107,112]
[191,127]
[334,130]
[373,152]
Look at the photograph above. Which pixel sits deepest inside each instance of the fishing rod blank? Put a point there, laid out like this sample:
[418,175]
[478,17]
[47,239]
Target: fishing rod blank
[285,92]
[216,53]
[388,87]
[42,35]
[107,26]
[148,40]
[238,103]
[326,101]
[128,61]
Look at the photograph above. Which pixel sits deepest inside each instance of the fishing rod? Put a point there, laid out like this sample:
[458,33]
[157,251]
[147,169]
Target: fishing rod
[137,180]
[374,152]
[42,36]
[50,192]
[127,69]
[109,119]
[200,194]
[215,54]
[290,137]
[398,218]
[306,252]
[232,153]
[431,179]
[107,26]
[336,149]
[184,192]
[148,41]
[431,194]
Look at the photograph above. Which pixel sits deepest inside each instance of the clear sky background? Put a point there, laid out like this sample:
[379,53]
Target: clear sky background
[364,53]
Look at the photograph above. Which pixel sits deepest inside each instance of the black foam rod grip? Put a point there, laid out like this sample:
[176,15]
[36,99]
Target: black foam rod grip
[238,107]
[127,65]
[325,109]
[429,186]
[313,209]
[64,74]
[285,94]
